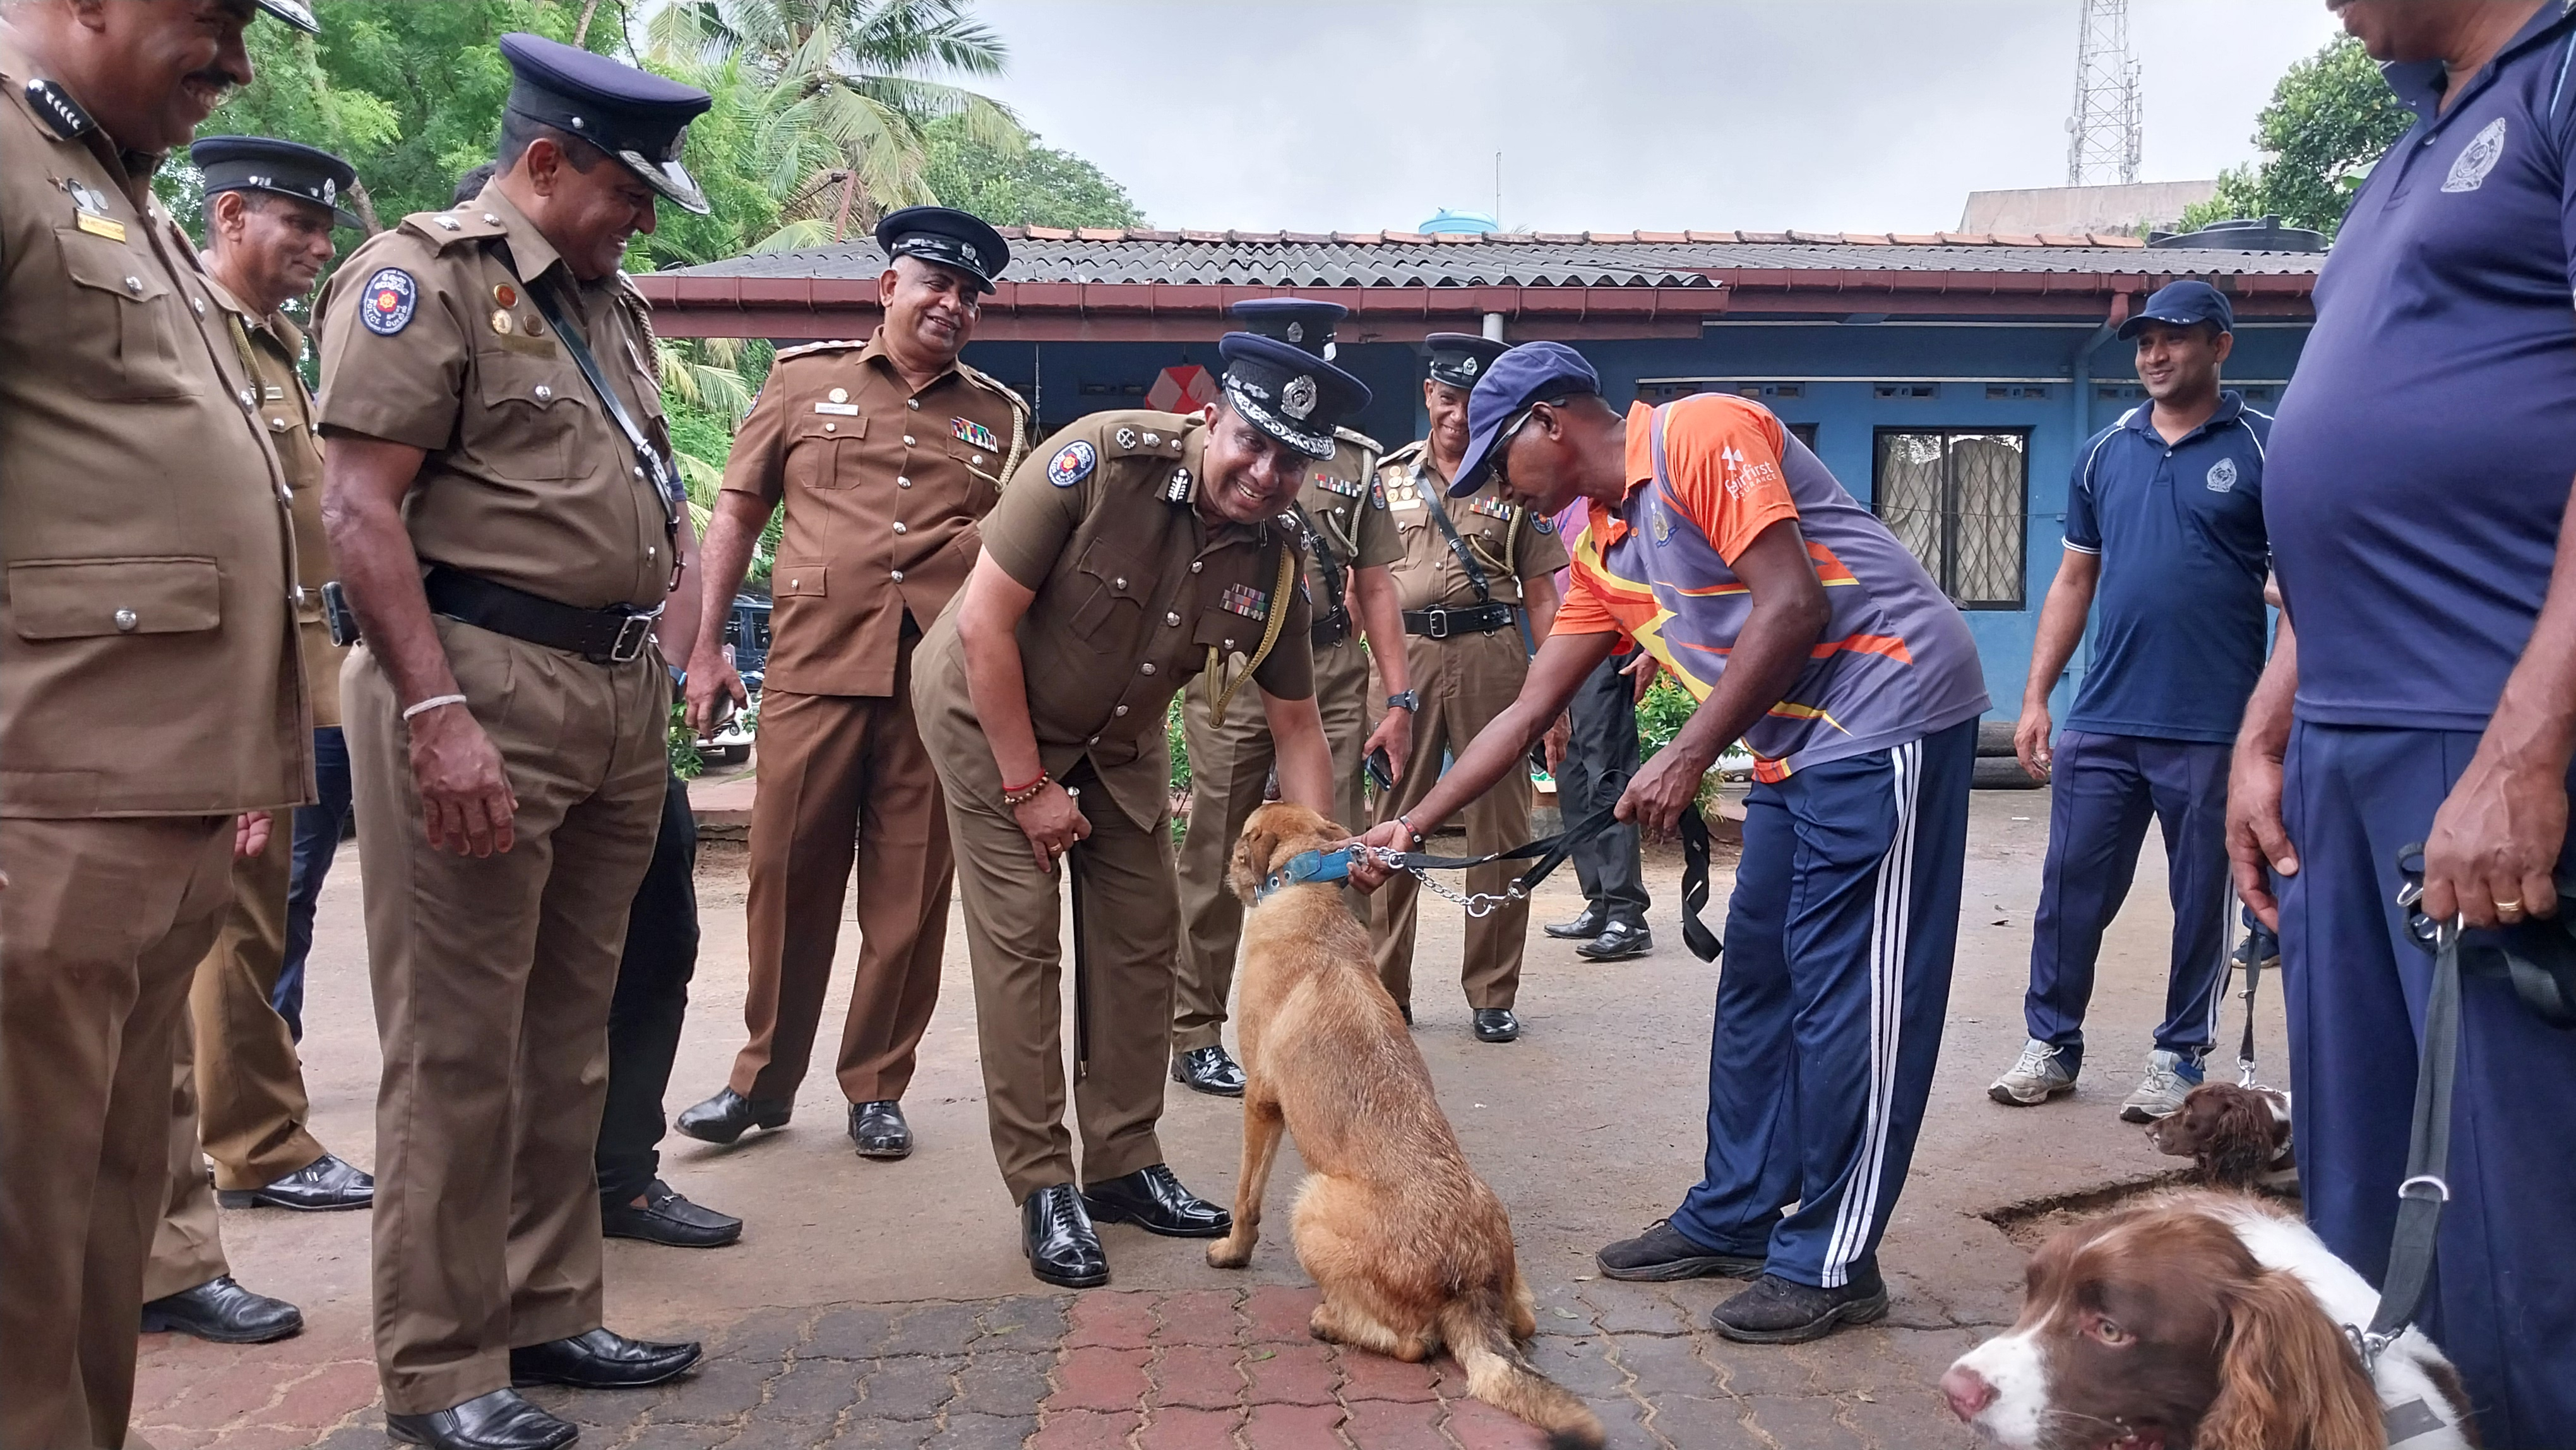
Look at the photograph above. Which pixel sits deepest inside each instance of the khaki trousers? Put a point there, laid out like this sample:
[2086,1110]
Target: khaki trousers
[100,926]
[250,1082]
[843,775]
[492,983]
[1229,766]
[1015,937]
[1465,681]
[188,1248]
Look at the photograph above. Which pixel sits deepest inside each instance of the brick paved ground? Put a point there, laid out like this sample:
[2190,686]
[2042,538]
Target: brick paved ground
[1135,1370]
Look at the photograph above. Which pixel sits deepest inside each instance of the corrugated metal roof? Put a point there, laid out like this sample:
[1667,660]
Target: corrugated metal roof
[1672,259]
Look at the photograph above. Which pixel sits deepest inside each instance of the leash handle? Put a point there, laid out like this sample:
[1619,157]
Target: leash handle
[2413,1245]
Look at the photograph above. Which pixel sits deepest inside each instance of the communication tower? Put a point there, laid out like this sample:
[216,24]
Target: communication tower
[2103,133]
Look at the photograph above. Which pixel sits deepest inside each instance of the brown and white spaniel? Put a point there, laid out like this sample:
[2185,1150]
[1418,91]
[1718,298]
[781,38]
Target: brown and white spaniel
[2201,1321]
[2238,1137]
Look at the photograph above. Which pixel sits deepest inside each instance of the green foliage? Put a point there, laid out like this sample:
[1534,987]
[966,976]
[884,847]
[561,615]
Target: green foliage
[1661,716]
[1179,746]
[1029,185]
[685,759]
[2330,117]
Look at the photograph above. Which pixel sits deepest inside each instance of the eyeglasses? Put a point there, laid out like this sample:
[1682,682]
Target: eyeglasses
[1503,444]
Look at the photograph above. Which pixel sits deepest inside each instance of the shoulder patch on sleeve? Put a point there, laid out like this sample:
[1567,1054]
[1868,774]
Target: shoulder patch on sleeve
[1072,463]
[390,298]
[1542,522]
[838,344]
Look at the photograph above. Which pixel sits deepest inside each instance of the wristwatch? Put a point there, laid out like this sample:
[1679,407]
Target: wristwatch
[1409,700]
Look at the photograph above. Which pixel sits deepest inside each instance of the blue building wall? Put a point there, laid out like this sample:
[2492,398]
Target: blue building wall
[2058,381]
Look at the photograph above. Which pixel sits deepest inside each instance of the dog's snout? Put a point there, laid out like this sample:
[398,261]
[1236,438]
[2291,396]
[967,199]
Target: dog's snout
[1967,1391]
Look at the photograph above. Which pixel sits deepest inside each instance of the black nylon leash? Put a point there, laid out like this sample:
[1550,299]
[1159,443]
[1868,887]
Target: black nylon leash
[654,466]
[1551,852]
[2413,1245]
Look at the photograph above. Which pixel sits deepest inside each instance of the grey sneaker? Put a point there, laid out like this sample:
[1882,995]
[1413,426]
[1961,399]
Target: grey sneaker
[2034,1079]
[2161,1091]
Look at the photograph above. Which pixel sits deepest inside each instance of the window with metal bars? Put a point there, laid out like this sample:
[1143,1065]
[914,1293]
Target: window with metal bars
[1960,499]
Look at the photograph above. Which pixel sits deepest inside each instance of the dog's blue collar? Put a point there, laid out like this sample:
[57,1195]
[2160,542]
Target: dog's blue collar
[1305,869]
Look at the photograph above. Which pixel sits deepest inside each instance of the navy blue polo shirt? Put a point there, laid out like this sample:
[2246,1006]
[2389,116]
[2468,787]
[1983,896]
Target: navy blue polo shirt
[2423,454]
[2178,627]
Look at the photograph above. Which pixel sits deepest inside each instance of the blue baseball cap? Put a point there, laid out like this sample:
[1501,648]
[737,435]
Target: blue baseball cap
[1530,373]
[2183,304]
[1288,392]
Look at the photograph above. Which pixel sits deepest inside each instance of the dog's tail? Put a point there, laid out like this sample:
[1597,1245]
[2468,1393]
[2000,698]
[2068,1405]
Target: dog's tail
[1498,1374]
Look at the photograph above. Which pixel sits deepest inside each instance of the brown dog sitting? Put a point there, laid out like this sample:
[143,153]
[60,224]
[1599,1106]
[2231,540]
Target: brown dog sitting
[2238,1137]
[1410,1247]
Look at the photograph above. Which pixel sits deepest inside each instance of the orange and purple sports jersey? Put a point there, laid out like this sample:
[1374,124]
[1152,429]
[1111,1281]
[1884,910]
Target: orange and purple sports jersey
[1707,475]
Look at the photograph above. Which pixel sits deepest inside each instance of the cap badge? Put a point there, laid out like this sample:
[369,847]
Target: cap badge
[1072,463]
[974,434]
[1297,400]
[2222,475]
[390,297]
[1296,332]
[330,191]
[1247,601]
[967,250]
[1467,367]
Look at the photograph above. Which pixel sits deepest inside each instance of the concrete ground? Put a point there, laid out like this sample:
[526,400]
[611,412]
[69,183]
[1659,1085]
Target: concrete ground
[875,1304]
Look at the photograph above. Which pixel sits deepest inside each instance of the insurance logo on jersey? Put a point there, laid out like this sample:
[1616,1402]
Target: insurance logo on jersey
[1247,601]
[1072,463]
[390,298]
[2222,475]
[2485,150]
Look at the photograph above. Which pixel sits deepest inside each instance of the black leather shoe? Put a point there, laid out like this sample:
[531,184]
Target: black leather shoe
[879,1130]
[223,1311]
[500,1420]
[1208,1070]
[1582,928]
[1056,1234]
[321,1186]
[601,1359]
[727,1115]
[1617,942]
[664,1217]
[1153,1200]
[1496,1024]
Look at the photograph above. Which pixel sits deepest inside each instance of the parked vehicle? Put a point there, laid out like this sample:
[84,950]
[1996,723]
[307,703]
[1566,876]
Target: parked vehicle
[747,647]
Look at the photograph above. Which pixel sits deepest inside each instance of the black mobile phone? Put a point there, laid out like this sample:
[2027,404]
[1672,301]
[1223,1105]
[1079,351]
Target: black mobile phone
[337,616]
[1380,774]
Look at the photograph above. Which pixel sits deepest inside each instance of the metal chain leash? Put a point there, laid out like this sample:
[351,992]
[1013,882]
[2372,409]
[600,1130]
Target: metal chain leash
[1476,903]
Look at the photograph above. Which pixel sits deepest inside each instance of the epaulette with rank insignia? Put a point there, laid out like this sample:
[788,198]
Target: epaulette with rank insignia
[445,229]
[1355,436]
[1403,457]
[838,344]
[61,114]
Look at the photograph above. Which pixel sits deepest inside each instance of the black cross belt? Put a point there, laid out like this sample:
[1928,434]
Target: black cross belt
[1330,630]
[611,636]
[1442,623]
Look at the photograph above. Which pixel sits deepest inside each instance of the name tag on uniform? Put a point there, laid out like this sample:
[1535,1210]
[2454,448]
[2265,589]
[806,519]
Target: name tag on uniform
[838,410]
[273,393]
[100,226]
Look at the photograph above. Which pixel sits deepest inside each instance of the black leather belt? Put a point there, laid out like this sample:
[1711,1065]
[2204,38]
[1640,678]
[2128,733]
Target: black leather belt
[612,636]
[1442,623]
[1332,629]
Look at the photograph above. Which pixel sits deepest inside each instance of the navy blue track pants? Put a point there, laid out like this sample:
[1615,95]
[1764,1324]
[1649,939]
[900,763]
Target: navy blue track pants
[1829,1004]
[2104,791]
[2503,1302]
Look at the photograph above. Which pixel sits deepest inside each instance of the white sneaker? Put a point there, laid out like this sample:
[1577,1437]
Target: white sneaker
[2036,1078]
[2161,1091]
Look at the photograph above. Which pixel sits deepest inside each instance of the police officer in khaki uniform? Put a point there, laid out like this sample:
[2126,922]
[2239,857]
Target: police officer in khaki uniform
[886,453]
[148,683]
[1478,586]
[1131,552]
[270,209]
[1342,522]
[507,523]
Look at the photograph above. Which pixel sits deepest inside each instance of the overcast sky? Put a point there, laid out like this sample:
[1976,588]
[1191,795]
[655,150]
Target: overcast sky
[1615,115]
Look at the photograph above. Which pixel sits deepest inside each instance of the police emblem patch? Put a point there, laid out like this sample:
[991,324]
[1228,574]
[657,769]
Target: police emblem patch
[387,305]
[1298,398]
[2484,151]
[1247,601]
[1543,523]
[2222,475]
[974,434]
[1071,464]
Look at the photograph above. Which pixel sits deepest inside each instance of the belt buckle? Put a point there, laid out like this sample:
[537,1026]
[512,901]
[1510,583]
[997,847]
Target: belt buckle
[633,633]
[1439,621]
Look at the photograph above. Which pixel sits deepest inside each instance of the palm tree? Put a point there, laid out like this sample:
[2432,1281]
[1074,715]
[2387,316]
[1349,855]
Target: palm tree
[863,75]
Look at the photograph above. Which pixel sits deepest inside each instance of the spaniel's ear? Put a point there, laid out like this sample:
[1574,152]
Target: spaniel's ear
[2239,1145]
[2289,1379]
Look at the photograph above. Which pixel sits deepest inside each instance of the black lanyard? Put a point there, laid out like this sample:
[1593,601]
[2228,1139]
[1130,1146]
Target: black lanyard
[652,464]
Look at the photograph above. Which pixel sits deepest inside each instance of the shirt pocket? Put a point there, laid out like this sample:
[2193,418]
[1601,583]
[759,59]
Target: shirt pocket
[823,453]
[119,300]
[976,459]
[85,598]
[1114,598]
[528,424]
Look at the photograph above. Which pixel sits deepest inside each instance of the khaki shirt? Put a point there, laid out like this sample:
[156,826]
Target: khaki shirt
[883,487]
[1512,545]
[1342,498]
[429,339]
[147,643]
[273,345]
[1134,590]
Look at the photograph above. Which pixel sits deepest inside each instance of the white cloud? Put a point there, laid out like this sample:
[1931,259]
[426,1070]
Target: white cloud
[1863,115]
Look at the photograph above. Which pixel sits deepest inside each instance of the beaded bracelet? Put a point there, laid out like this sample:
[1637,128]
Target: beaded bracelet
[1018,796]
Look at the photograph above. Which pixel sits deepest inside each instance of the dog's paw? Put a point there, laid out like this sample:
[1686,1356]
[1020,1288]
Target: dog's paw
[1225,1253]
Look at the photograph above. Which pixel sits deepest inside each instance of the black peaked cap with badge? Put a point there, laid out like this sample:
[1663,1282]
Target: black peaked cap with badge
[636,116]
[947,236]
[1300,321]
[1460,358]
[264,163]
[295,13]
[1288,392]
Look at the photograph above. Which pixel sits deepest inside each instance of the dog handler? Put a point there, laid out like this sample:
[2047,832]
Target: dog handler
[1798,622]
[1132,551]
[2416,503]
